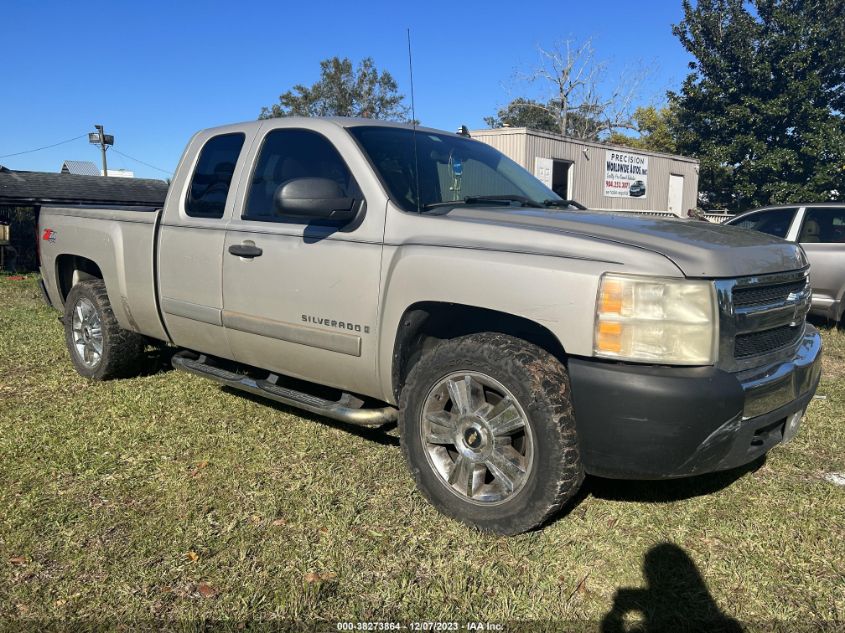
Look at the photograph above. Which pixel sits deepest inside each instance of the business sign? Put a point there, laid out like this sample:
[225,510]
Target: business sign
[625,174]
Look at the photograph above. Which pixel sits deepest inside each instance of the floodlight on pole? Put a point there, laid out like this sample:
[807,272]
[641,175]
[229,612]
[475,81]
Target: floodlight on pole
[102,139]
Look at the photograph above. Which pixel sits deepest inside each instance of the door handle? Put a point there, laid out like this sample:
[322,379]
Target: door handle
[245,250]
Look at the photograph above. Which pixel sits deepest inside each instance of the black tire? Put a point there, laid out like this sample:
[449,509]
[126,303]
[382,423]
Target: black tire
[540,385]
[121,349]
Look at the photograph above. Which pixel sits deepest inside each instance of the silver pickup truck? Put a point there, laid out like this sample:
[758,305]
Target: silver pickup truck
[374,272]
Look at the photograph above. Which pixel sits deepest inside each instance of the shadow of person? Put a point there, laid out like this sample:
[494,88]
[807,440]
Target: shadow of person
[675,598]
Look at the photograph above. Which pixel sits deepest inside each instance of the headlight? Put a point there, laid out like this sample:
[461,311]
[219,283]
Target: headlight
[670,321]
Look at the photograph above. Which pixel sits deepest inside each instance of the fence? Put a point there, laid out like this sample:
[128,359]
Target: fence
[19,227]
[718,218]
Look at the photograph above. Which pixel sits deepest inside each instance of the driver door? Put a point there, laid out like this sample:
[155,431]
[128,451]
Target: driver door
[306,303]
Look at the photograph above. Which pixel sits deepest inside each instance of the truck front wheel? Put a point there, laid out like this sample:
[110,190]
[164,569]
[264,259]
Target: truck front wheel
[488,432]
[99,348]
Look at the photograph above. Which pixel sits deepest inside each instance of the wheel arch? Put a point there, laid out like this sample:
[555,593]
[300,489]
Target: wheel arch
[71,269]
[426,323]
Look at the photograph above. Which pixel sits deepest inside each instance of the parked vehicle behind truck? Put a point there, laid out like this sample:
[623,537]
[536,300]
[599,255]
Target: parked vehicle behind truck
[820,230]
[373,272]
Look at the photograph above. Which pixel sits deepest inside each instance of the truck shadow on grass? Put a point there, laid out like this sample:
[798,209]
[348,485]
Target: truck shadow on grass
[675,598]
[156,359]
[667,490]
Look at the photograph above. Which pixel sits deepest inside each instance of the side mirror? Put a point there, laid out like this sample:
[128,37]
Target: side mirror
[315,198]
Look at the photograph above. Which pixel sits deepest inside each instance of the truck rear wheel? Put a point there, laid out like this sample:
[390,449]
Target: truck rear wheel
[488,432]
[99,348]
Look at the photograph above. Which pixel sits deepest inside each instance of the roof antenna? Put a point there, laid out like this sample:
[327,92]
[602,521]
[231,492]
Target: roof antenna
[414,124]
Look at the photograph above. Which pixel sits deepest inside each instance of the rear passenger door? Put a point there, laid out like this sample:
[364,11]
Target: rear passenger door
[822,236]
[191,242]
[306,304]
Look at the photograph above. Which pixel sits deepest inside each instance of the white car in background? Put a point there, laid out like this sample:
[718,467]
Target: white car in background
[820,229]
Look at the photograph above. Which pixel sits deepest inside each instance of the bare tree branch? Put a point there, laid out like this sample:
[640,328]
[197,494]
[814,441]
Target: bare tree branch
[572,93]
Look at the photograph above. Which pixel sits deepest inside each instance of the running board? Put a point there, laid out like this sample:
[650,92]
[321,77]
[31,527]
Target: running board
[348,408]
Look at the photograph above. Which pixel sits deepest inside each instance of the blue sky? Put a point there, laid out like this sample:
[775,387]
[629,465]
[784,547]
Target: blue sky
[155,72]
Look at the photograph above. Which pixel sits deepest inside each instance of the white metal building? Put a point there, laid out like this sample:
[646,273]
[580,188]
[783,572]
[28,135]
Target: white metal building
[601,176]
[87,168]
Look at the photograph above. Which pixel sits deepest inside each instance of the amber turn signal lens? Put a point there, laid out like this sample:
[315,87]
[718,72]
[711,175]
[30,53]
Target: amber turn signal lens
[609,337]
[610,301]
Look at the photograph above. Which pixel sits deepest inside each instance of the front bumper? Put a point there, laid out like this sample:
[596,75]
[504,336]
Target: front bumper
[657,422]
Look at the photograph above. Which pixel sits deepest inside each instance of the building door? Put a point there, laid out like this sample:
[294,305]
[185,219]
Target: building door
[676,194]
[561,180]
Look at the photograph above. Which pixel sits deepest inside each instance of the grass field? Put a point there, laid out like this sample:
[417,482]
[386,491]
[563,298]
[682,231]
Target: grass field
[166,497]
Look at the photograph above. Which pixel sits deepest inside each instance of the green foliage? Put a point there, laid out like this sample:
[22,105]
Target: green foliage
[343,91]
[656,128]
[523,112]
[762,107]
[547,117]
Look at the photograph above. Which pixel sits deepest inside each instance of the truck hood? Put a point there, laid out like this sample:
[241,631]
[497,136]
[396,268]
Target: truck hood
[698,249]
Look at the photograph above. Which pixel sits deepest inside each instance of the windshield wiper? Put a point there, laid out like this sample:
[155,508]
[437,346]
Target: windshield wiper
[565,203]
[492,199]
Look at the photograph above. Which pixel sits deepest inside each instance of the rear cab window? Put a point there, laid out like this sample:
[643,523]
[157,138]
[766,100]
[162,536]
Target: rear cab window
[212,176]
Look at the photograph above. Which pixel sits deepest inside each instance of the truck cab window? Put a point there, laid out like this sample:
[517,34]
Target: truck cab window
[290,154]
[213,175]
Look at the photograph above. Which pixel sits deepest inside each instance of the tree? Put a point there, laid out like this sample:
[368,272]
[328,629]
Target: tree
[523,112]
[343,91]
[656,129]
[573,102]
[763,106]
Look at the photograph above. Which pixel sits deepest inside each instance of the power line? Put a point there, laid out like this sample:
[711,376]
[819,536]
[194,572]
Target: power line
[38,149]
[76,138]
[138,160]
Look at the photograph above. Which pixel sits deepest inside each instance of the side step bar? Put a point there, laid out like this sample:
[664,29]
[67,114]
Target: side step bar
[347,409]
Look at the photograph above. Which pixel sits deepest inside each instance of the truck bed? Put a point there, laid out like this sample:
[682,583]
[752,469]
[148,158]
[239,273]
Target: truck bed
[121,242]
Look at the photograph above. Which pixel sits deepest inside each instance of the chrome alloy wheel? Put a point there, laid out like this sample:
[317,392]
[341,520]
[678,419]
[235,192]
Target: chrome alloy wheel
[87,333]
[477,438]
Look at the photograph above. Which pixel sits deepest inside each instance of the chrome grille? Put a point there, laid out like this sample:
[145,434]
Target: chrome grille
[761,318]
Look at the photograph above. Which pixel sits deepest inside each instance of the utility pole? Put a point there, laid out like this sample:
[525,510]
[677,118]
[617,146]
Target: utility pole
[103,149]
[102,139]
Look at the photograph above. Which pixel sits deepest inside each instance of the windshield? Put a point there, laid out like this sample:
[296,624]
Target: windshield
[452,168]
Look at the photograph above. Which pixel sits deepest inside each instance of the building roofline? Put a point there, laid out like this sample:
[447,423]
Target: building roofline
[514,131]
[27,188]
